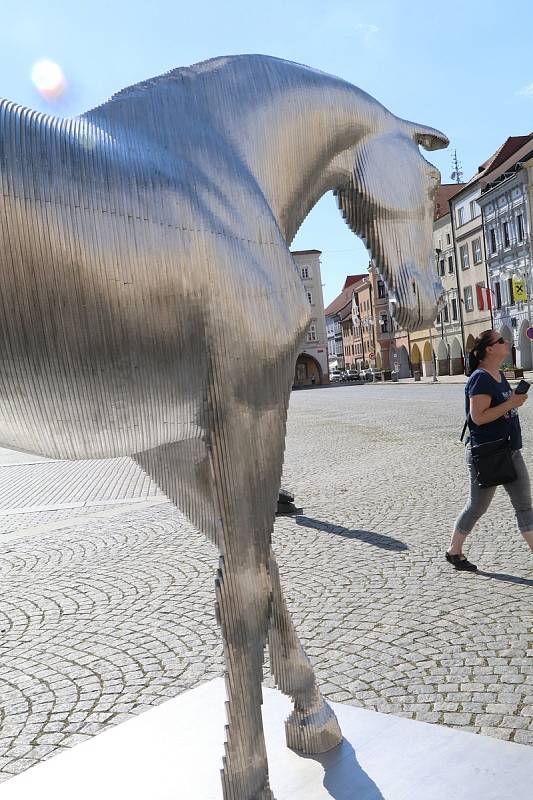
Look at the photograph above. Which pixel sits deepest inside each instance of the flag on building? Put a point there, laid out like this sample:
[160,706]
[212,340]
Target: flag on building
[519,290]
[484,299]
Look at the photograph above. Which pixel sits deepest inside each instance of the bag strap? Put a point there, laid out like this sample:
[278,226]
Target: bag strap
[467,416]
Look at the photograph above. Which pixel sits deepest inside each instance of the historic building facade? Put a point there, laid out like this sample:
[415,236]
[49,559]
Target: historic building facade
[335,314]
[312,363]
[438,350]
[471,270]
[448,337]
[505,205]
[363,323]
[370,338]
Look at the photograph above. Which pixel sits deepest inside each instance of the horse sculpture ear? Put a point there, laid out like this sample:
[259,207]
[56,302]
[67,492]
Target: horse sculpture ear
[429,138]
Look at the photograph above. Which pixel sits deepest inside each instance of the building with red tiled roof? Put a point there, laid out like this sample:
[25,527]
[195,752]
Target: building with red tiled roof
[338,310]
[442,200]
[346,294]
[472,236]
[360,330]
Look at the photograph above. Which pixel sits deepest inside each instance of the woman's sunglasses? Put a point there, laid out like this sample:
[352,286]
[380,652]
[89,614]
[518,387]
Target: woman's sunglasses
[501,340]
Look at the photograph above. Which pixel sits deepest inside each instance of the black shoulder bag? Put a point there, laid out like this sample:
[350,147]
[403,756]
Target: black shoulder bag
[493,461]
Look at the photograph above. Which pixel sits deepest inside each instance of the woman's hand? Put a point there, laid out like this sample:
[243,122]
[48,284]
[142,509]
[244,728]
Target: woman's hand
[517,400]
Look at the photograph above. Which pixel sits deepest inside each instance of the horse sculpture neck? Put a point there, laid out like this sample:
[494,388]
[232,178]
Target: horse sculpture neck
[289,124]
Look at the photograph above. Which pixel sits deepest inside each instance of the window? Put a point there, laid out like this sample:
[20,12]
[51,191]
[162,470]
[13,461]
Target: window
[441,266]
[480,304]
[511,293]
[468,298]
[311,335]
[460,216]
[310,297]
[450,265]
[446,313]
[383,321]
[506,239]
[492,240]
[473,209]
[454,309]
[498,293]
[463,254]
[448,239]
[520,227]
[305,272]
[476,251]
[381,290]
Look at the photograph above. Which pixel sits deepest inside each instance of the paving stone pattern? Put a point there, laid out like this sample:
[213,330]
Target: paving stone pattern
[112,613]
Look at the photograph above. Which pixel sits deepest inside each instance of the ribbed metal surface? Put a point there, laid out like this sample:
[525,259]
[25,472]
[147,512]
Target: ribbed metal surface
[149,306]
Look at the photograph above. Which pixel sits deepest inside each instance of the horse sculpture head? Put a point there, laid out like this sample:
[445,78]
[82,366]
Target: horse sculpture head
[389,201]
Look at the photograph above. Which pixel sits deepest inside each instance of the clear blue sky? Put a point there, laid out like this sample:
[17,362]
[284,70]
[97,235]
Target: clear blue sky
[463,67]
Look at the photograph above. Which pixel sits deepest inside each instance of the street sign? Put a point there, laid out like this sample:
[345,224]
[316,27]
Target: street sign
[371,355]
[519,289]
[529,333]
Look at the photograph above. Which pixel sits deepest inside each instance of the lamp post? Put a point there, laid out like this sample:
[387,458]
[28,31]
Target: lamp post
[434,379]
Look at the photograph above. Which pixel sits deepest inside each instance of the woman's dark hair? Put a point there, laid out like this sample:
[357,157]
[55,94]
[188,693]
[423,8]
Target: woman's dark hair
[479,350]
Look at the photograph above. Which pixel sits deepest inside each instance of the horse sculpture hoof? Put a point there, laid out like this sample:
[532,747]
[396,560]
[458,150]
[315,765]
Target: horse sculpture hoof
[313,731]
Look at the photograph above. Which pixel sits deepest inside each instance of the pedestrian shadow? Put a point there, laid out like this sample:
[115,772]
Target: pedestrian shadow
[503,576]
[344,777]
[369,537]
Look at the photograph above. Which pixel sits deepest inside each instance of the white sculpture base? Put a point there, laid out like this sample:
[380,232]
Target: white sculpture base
[173,752]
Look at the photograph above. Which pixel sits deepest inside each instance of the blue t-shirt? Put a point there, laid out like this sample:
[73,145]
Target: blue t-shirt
[481,382]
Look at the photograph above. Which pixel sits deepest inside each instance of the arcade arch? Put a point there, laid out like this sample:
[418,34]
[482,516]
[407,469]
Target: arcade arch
[308,371]
[427,358]
[457,365]
[443,361]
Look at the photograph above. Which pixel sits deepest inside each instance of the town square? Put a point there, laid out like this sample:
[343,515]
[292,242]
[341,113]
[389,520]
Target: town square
[108,600]
[266,343]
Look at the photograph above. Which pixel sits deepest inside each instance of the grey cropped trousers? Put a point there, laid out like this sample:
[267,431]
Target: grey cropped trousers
[519,492]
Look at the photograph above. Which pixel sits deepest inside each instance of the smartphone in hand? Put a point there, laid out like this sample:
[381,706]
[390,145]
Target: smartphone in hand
[522,387]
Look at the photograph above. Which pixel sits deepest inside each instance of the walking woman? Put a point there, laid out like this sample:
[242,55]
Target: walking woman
[492,406]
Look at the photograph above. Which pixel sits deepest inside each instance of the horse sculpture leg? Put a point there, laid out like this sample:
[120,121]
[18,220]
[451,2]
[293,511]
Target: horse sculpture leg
[312,727]
[243,600]
[246,458]
[229,490]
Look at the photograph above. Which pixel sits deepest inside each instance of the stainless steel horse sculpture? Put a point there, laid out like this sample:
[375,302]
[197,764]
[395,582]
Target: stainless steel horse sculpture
[149,306]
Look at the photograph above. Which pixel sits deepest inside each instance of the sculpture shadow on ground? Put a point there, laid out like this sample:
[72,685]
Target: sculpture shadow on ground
[344,778]
[369,537]
[503,576]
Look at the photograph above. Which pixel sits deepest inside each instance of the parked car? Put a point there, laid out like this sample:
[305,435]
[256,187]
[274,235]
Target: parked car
[351,375]
[335,376]
[368,374]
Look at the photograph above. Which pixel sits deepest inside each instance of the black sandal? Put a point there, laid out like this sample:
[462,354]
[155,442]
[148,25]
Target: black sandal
[461,563]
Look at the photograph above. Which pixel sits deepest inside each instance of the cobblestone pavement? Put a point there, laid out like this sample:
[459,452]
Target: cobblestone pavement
[48,485]
[107,610]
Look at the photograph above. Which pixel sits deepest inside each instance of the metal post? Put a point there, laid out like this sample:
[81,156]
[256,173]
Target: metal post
[434,379]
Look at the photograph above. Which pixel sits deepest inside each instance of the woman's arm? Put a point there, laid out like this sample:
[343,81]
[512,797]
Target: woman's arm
[481,412]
